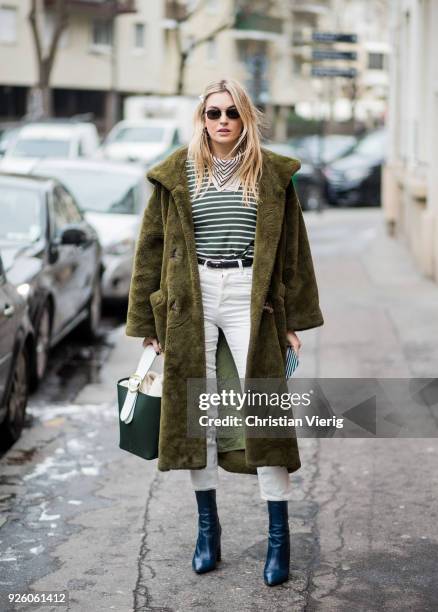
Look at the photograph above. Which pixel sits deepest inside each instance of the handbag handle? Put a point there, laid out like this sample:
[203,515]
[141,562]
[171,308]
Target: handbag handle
[134,382]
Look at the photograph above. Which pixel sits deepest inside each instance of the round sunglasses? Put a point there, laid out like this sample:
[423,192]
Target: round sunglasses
[216,113]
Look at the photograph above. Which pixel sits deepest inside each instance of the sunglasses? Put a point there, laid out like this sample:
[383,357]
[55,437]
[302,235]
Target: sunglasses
[216,113]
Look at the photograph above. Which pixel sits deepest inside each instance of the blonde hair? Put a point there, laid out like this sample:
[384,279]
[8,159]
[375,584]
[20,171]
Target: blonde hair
[250,167]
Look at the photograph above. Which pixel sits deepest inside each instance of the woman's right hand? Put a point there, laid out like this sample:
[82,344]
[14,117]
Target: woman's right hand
[154,342]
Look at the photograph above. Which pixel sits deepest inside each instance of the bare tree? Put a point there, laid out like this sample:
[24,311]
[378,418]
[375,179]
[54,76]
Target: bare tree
[40,104]
[182,17]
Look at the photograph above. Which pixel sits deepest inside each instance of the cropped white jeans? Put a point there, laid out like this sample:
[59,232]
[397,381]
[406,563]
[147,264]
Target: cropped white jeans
[226,298]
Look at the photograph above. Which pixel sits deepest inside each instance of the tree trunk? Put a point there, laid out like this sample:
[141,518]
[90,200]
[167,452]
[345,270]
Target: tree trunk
[181,74]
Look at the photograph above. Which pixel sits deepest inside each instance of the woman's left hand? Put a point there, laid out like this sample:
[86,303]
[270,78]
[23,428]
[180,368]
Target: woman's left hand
[294,341]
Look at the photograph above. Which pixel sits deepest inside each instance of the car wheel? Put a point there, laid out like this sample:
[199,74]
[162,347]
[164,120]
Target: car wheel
[13,424]
[92,322]
[43,337]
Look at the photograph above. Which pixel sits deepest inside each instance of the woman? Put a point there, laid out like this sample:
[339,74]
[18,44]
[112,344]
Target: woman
[223,267]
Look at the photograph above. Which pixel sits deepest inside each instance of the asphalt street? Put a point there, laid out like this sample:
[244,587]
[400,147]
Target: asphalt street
[82,516]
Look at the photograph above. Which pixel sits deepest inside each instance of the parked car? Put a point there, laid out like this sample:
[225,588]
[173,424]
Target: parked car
[140,140]
[17,348]
[309,180]
[111,195]
[355,178]
[65,139]
[52,256]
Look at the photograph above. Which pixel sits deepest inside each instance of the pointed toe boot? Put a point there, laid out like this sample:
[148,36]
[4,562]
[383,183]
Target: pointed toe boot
[208,544]
[276,568]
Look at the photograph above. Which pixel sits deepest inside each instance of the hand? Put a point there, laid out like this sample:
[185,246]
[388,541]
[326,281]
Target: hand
[154,342]
[294,341]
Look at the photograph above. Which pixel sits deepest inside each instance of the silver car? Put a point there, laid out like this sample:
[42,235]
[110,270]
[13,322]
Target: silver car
[112,196]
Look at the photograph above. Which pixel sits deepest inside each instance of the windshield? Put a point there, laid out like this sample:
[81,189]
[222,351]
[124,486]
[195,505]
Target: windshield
[373,144]
[40,147]
[138,134]
[21,214]
[108,192]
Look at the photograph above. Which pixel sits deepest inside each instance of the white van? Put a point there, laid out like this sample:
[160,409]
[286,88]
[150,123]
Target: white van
[50,139]
[140,140]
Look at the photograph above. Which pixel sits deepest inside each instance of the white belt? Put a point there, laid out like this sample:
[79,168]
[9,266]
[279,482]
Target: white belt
[134,382]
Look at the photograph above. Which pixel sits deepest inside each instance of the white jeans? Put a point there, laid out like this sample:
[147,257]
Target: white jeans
[226,298]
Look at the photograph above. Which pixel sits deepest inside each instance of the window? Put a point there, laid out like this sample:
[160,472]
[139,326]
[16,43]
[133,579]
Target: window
[65,209]
[49,31]
[297,65]
[22,215]
[376,61]
[139,35]
[8,24]
[102,33]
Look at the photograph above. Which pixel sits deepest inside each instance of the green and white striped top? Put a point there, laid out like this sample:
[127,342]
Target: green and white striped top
[224,227]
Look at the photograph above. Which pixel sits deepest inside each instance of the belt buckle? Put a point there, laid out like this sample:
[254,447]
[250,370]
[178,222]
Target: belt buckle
[134,383]
[213,264]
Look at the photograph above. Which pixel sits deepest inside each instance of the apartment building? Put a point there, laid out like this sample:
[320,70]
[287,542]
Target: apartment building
[115,48]
[106,47]
[410,192]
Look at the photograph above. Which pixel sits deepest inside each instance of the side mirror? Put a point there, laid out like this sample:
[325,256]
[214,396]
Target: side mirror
[73,235]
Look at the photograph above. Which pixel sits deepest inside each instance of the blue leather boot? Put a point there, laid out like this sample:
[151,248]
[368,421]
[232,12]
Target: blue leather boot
[277,561]
[208,544]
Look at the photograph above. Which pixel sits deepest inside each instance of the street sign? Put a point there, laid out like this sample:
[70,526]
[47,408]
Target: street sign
[334,37]
[321,54]
[320,71]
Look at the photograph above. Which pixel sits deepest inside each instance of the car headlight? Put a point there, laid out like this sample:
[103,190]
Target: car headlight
[25,290]
[121,247]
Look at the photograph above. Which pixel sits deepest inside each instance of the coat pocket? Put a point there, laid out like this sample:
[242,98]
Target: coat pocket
[156,297]
[178,312]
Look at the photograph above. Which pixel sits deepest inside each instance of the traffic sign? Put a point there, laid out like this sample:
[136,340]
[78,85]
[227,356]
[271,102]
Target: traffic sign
[321,54]
[334,37]
[320,71]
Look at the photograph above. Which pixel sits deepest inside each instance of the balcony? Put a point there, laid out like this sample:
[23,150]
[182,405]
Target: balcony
[256,26]
[311,8]
[98,8]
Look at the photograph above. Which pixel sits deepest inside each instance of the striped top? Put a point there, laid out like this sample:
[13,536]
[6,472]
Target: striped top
[224,227]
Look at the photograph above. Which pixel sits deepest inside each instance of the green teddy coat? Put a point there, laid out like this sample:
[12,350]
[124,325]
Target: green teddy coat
[165,301]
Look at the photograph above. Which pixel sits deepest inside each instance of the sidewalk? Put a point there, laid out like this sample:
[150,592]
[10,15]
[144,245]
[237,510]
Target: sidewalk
[363,532]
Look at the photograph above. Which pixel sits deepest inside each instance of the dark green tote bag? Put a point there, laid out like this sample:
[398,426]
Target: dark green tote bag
[141,434]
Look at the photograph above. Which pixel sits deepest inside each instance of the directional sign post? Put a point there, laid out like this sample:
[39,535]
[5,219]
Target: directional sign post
[328,52]
[323,48]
